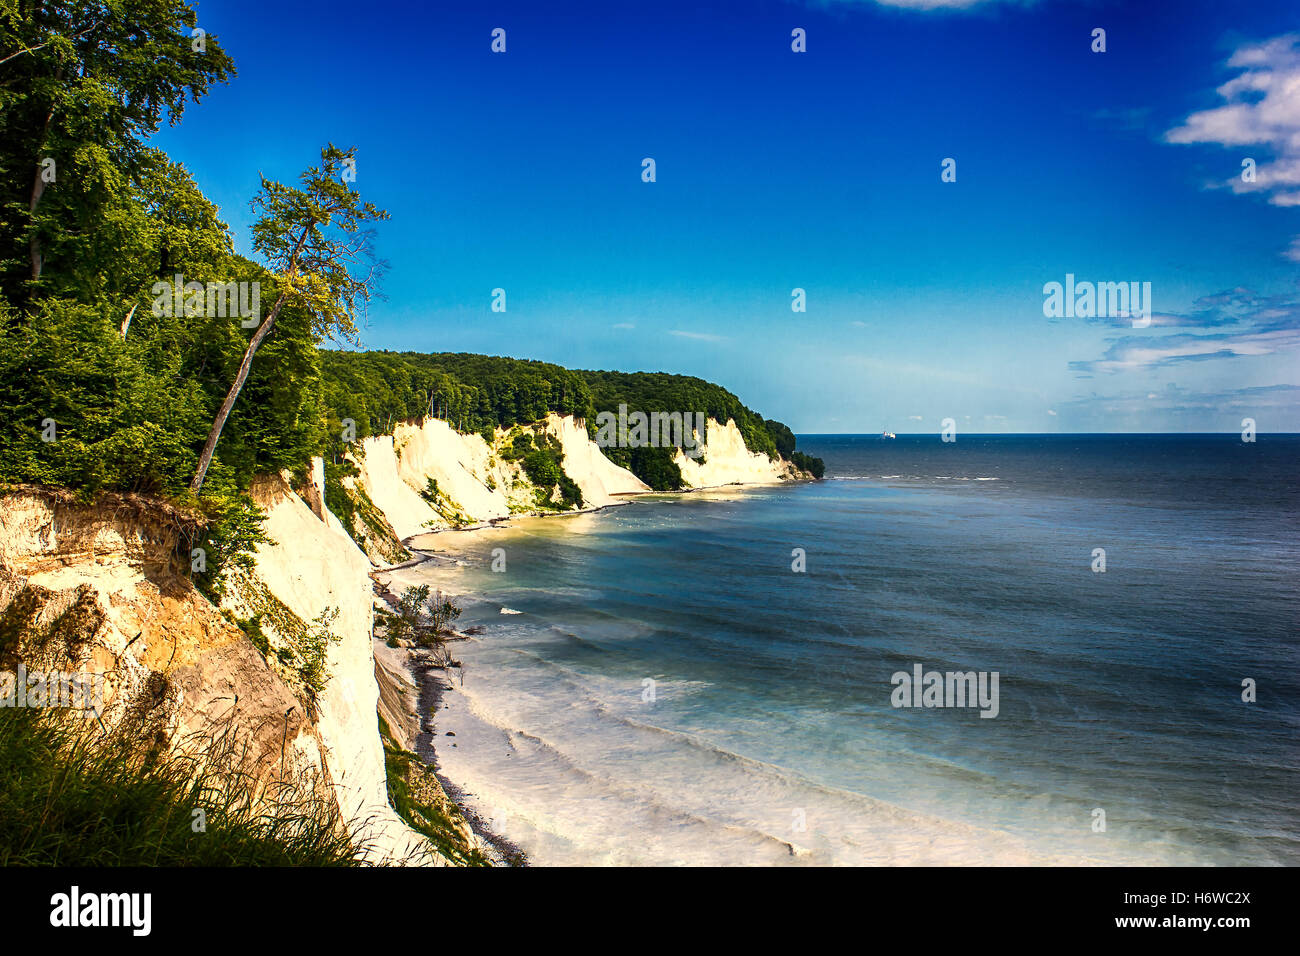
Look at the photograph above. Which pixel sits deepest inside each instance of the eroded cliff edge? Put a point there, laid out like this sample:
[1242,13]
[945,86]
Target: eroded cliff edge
[104,587]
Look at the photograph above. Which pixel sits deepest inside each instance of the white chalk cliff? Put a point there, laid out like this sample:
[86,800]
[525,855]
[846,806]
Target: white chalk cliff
[727,461]
[313,566]
[116,566]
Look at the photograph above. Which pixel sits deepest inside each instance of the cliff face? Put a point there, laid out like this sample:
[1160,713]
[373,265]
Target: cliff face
[315,571]
[97,589]
[475,484]
[103,587]
[727,461]
[598,477]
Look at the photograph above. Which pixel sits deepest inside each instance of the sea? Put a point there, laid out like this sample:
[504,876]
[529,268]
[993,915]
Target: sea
[715,678]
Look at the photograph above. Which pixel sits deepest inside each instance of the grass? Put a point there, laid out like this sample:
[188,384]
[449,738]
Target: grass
[72,795]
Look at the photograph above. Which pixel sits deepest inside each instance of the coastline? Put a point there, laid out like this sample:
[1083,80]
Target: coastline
[417,725]
[433,683]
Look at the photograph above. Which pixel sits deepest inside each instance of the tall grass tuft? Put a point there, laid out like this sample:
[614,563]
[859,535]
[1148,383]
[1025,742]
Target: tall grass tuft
[73,795]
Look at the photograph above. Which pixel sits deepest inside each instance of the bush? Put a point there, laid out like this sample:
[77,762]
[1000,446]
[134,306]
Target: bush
[229,541]
[422,619]
[814,466]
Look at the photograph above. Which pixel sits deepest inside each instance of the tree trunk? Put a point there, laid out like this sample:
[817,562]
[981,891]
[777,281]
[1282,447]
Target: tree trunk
[38,190]
[263,330]
[210,446]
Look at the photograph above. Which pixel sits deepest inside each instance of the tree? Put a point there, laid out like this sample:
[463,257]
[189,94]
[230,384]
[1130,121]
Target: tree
[315,244]
[85,83]
[426,620]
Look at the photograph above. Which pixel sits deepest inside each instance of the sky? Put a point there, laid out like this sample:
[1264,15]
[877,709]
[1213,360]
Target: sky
[820,170]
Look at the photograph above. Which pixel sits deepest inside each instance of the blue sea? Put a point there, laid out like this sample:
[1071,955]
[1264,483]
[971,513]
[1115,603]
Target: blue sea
[657,684]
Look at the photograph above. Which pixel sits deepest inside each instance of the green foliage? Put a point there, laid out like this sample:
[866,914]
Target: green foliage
[81,410]
[311,653]
[86,83]
[543,463]
[475,393]
[316,239]
[131,415]
[814,466]
[252,628]
[430,492]
[654,466]
[420,617]
[782,436]
[229,542]
[519,443]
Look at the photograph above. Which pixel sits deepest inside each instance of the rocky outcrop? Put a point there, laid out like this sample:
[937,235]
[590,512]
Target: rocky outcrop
[727,461]
[100,589]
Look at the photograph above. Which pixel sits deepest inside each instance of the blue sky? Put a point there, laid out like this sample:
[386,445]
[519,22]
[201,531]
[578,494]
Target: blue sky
[820,170]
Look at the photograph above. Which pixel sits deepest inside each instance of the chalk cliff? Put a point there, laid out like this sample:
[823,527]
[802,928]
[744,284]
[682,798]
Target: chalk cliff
[104,587]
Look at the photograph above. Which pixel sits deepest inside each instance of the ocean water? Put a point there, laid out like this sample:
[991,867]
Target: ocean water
[654,684]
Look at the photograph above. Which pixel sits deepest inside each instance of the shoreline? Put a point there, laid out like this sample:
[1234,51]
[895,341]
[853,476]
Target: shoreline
[432,683]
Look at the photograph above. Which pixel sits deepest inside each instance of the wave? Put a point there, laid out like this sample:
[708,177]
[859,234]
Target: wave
[630,768]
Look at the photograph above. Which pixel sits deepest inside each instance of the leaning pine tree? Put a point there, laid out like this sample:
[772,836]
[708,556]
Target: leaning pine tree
[315,242]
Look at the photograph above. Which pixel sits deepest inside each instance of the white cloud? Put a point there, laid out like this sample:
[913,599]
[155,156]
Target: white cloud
[699,336]
[622,325]
[1244,324]
[1261,109]
[1132,353]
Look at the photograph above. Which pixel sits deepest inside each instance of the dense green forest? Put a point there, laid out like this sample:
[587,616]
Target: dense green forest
[478,393]
[108,383]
